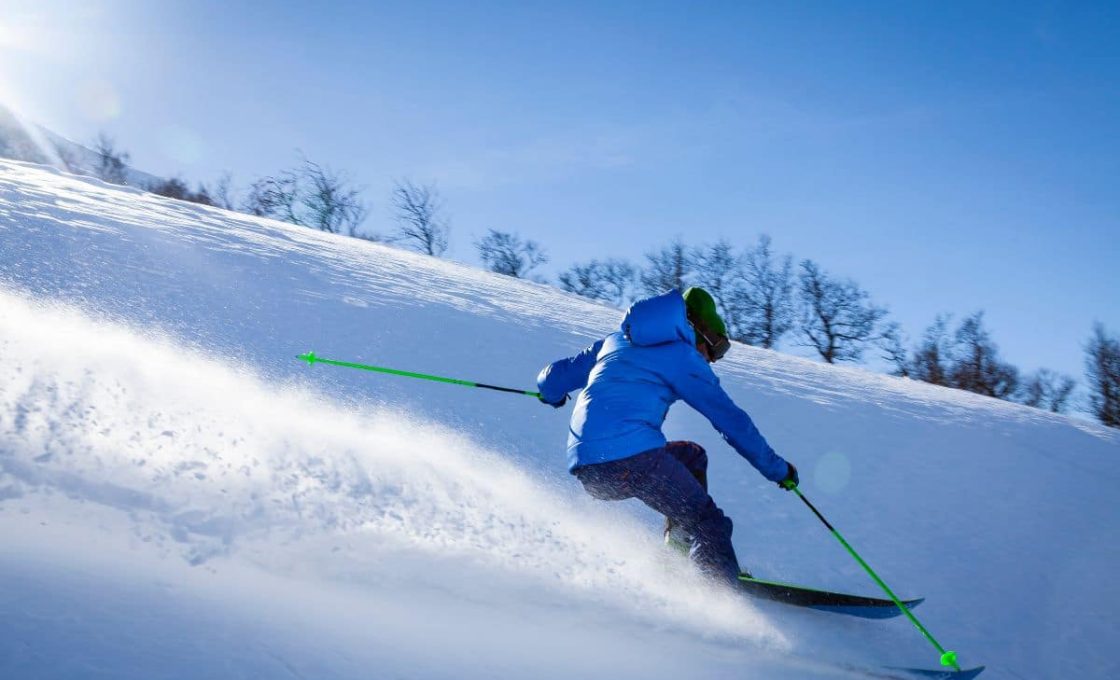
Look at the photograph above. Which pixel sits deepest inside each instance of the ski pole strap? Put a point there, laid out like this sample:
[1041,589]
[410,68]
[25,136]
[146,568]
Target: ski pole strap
[311,360]
[948,658]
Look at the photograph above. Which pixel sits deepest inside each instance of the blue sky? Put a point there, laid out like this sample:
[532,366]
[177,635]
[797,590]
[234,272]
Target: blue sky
[948,156]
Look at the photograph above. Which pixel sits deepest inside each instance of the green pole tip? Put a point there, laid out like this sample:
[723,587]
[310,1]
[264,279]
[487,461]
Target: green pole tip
[950,659]
[789,485]
[310,358]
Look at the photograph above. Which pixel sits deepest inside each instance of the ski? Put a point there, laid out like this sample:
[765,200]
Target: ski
[941,674]
[824,600]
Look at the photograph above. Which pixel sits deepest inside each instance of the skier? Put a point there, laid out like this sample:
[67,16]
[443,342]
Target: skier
[628,381]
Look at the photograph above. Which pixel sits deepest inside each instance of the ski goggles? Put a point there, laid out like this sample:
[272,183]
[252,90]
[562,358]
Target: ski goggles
[718,347]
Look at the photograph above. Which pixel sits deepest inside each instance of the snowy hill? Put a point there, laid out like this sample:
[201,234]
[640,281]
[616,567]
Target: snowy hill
[180,497]
[24,141]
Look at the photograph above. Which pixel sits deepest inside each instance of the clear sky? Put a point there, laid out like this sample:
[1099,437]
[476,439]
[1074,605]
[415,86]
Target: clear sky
[949,156]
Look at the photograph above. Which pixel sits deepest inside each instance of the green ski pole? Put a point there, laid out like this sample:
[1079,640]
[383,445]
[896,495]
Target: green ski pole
[948,658]
[311,360]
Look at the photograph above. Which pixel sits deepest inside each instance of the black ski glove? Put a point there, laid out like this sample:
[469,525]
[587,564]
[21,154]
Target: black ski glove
[554,404]
[791,481]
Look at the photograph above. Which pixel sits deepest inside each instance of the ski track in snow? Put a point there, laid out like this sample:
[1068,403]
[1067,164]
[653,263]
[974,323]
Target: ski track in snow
[159,418]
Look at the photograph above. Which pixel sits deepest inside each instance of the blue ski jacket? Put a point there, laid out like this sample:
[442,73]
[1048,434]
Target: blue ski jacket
[630,379]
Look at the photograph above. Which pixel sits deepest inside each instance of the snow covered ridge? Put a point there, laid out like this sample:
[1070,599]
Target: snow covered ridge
[384,513]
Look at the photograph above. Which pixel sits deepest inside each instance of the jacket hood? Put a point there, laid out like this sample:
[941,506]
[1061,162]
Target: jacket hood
[657,320]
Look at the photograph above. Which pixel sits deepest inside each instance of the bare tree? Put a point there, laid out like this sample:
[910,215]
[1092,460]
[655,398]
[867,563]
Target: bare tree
[1102,372]
[275,197]
[893,344]
[224,192]
[619,279]
[329,202]
[611,281]
[717,268]
[171,188]
[112,164]
[310,196]
[419,224]
[666,269]
[201,195]
[1048,390]
[507,253]
[767,311]
[977,366]
[933,357]
[178,189]
[838,320]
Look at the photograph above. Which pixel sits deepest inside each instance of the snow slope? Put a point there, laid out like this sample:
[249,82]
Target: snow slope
[180,497]
[24,141]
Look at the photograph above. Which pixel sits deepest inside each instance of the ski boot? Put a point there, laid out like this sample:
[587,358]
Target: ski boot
[676,537]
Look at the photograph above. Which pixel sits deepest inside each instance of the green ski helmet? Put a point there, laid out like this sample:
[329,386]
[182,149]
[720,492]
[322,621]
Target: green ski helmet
[706,321]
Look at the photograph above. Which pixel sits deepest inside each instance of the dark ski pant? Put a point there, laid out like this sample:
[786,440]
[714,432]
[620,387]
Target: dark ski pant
[673,481]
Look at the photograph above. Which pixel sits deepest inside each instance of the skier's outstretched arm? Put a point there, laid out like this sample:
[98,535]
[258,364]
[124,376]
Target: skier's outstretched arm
[559,378]
[698,385]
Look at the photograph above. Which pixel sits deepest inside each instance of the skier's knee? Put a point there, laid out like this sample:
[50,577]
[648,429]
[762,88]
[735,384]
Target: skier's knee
[699,456]
[694,457]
